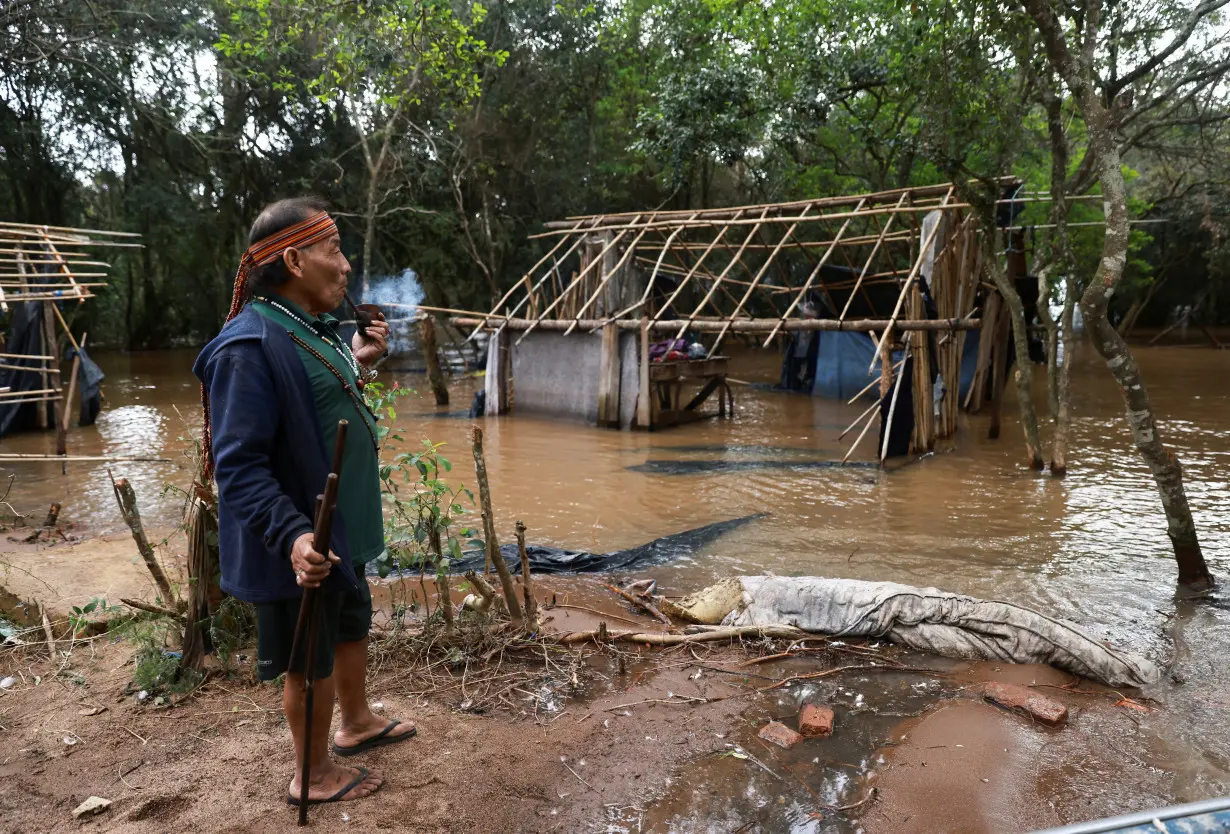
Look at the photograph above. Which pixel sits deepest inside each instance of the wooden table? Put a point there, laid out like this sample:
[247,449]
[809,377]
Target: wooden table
[666,380]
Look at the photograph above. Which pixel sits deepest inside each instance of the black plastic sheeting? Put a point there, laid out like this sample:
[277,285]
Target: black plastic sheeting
[89,381]
[555,560]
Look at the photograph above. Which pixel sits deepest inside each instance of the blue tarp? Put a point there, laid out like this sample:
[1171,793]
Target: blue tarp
[843,358]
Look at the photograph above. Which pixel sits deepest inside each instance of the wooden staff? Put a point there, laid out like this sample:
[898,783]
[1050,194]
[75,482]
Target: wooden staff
[309,620]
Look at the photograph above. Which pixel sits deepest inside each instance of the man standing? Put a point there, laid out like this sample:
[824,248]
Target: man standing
[275,382]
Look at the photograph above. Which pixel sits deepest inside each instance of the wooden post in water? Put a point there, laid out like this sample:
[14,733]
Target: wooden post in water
[999,348]
[608,378]
[431,356]
[644,404]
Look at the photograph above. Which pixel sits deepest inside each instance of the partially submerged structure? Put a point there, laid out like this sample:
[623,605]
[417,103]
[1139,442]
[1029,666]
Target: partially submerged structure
[872,291]
[44,271]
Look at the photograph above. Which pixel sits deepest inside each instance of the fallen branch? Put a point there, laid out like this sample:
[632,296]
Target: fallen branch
[827,672]
[153,609]
[127,500]
[51,640]
[485,592]
[641,603]
[658,639]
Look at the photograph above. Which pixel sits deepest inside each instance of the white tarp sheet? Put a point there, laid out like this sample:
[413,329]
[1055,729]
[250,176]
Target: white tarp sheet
[930,620]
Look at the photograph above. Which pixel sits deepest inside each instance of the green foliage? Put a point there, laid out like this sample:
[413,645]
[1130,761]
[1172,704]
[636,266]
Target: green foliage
[80,617]
[423,527]
[179,119]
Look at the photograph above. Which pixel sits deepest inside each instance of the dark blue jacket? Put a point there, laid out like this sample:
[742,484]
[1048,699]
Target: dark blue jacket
[270,459]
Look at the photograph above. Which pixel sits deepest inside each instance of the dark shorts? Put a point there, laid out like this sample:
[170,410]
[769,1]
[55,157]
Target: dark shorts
[344,618]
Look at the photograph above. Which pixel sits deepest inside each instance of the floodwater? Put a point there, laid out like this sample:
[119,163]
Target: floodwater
[1091,547]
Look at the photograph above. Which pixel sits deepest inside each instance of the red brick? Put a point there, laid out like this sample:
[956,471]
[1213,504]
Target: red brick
[779,734]
[1039,707]
[815,721]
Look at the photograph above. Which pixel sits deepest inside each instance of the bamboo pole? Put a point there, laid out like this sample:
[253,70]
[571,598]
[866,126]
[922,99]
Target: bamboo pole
[879,242]
[915,269]
[921,192]
[828,253]
[819,218]
[611,273]
[5,367]
[892,410]
[8,224]
[711,325]
[493,548]
[756,281]
[597,260]
[16,457]
[718,281]
[859,439]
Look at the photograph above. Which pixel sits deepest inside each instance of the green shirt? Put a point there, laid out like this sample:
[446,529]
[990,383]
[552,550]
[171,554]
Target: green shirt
[359,499]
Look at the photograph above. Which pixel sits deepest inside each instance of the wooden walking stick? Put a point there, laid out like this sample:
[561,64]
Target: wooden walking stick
[306,625]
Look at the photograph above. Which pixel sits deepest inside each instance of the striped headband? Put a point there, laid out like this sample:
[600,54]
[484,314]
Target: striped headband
[306,232]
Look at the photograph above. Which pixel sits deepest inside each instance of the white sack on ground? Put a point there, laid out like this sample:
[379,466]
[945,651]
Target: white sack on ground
[930,620]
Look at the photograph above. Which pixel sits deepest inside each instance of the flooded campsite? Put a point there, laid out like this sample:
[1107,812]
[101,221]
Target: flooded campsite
[656,417]
[972,519]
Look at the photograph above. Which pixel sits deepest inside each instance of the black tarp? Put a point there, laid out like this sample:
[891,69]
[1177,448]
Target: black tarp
[544,559]
[89,381]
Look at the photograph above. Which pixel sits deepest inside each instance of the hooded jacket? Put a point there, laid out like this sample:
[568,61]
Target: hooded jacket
[269,457]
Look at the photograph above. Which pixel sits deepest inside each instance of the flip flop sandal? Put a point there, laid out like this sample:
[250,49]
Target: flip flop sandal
[350,786]
[379,740]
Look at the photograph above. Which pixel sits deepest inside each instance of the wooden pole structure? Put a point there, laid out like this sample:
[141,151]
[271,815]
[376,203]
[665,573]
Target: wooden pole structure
[431,356]
[874,249]
[718,281]
[712,325]
[597,260]
[828,253]
[494,556]
[756,282]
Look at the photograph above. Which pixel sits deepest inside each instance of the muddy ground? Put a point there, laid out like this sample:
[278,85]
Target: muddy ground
[669,745]
[664,741]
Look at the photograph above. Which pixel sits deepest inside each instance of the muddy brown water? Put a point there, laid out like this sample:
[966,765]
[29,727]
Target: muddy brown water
[1091,547]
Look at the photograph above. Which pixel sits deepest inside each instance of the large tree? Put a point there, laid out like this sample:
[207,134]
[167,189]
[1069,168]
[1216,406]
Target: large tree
[1177,52]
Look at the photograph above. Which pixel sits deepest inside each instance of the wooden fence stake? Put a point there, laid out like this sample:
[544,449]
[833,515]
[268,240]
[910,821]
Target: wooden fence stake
[493,549]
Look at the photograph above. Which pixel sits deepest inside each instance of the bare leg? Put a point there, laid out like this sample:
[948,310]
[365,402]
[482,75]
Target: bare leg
[358,722]
[327,777]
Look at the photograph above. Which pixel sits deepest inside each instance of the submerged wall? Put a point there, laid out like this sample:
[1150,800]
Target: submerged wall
[558,375]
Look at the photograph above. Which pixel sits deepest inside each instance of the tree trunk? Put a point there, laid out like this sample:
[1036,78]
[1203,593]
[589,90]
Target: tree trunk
[1061,261]
[1020,341]
[1063,390]
[1167,472]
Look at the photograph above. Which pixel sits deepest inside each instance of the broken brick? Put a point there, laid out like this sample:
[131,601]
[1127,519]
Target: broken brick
[1022,698]
[815,721]
[779,734]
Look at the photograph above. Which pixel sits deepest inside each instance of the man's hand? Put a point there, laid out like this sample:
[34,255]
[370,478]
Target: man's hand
[311,568]
[369,346]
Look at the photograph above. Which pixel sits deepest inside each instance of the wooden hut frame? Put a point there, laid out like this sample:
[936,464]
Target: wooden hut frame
[45,265]
[760,272]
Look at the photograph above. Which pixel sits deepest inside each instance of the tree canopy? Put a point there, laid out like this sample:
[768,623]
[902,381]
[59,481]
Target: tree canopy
[444,133]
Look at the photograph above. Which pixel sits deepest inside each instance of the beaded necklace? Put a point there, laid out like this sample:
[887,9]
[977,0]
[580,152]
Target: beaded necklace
[341,350]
